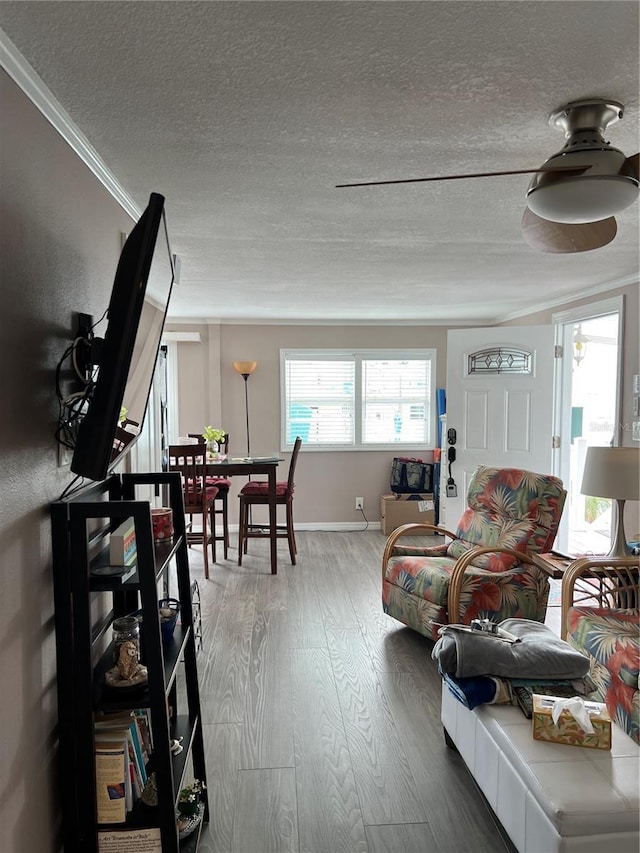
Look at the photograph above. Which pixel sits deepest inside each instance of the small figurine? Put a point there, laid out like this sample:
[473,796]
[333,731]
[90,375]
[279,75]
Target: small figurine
[128,672]
[175,746]
[128,661]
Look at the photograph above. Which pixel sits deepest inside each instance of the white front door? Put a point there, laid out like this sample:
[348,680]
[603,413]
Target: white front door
[499,402]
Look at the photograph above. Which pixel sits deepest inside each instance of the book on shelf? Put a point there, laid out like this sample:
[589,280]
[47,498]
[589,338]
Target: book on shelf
[141,747]
[120,738]
[143,718]
[112,780]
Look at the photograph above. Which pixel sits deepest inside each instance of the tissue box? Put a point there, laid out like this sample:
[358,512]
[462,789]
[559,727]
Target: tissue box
[568,730]
[122,544]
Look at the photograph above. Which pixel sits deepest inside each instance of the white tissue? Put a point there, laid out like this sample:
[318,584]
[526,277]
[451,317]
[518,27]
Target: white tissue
[578,710]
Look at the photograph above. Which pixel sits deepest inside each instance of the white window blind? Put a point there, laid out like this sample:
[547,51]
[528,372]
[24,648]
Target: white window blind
[362,399]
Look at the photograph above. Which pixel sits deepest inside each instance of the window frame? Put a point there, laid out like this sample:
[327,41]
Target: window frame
[359,356]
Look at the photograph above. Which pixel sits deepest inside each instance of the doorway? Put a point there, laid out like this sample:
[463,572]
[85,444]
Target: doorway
[588,413]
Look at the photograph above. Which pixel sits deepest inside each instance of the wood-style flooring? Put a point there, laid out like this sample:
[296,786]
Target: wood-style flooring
[321,714]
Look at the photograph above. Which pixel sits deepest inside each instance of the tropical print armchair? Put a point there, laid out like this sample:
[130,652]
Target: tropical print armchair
[600,617]
[488,569]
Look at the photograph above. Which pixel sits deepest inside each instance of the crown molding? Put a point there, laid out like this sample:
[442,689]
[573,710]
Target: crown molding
[25,77]
[319,321]
[567,299]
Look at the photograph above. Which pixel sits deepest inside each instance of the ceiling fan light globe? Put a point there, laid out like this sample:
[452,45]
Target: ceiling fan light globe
[583,199]
[601,191]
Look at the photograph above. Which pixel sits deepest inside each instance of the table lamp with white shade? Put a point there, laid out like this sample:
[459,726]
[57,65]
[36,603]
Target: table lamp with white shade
[613,472]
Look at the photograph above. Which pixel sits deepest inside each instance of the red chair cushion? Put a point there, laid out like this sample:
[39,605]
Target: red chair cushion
[257,487]
[220,483]
[210,492]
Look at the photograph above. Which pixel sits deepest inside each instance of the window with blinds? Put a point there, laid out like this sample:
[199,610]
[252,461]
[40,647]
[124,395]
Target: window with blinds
[363,399]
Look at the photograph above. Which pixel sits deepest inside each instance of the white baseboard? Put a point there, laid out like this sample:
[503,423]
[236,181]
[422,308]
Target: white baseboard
[335,526]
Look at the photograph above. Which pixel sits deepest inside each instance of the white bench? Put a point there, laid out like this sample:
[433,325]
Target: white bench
[550,798]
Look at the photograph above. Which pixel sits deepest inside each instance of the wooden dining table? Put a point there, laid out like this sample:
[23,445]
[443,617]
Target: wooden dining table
[248,466]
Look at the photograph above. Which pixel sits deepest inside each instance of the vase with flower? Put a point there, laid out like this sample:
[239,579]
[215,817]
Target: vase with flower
[213,437]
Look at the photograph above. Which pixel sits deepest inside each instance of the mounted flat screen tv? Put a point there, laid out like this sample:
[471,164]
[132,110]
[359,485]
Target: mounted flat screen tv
[127,357]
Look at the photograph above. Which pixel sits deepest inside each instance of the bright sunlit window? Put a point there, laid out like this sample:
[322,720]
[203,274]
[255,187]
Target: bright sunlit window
[358,399]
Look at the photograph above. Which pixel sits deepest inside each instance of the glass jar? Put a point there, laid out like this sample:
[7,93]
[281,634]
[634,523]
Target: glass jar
[125,628]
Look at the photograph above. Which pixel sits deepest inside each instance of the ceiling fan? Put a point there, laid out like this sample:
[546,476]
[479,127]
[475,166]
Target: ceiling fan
[573,196]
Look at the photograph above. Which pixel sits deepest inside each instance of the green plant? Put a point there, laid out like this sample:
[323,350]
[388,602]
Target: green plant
[594,507]
[211,434]
[189,798]
[123,414]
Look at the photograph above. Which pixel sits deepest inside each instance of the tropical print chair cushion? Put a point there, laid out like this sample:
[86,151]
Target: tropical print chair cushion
[516,509]
[508,506]
[611,639]
[416,588]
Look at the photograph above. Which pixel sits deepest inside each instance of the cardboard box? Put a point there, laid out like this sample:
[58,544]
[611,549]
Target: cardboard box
[394,512]
[568,730]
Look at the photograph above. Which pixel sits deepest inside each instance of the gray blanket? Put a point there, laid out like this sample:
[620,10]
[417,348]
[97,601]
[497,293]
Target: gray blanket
[540,654]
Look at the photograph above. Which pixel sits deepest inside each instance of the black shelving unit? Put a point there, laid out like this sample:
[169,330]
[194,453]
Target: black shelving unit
[80,530]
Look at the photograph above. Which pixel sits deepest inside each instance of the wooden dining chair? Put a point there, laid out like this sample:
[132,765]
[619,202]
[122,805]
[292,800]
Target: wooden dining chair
[256,493]
[221,503]
[199,496]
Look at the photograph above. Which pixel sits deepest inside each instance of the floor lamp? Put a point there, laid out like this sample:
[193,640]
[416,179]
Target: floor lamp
[613,472]
[245,369]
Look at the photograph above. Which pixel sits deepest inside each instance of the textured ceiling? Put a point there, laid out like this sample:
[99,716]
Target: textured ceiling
[245,115]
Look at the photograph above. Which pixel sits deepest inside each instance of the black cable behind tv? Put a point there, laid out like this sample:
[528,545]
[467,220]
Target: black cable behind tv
[130,347]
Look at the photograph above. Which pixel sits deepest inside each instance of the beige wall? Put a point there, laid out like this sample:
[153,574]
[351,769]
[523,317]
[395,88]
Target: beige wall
[326,483]
[60,245]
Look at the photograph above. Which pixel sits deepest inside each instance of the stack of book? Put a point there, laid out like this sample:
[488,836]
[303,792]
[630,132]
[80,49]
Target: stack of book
[122,750]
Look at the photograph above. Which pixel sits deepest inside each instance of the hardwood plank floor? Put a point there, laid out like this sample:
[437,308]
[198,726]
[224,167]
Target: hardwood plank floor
[321,714]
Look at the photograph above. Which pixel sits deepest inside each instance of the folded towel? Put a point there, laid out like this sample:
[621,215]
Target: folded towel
[540,654]
[471,692]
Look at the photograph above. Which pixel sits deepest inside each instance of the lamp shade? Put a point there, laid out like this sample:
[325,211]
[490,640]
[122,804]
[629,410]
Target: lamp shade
[245,367]
[612,472]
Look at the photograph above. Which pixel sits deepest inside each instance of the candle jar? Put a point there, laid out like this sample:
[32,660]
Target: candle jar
[125,629]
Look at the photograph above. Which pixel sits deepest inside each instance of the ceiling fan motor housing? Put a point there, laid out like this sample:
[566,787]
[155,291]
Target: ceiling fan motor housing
[607,186]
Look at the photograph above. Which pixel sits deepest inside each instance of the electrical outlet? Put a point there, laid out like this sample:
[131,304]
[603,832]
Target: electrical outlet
[359,503]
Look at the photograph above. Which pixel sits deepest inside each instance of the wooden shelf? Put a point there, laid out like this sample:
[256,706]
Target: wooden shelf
[85,653]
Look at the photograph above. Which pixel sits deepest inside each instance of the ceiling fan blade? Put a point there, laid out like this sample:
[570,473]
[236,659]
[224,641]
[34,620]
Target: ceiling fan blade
[578,170]
[631,166]
[563,238]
